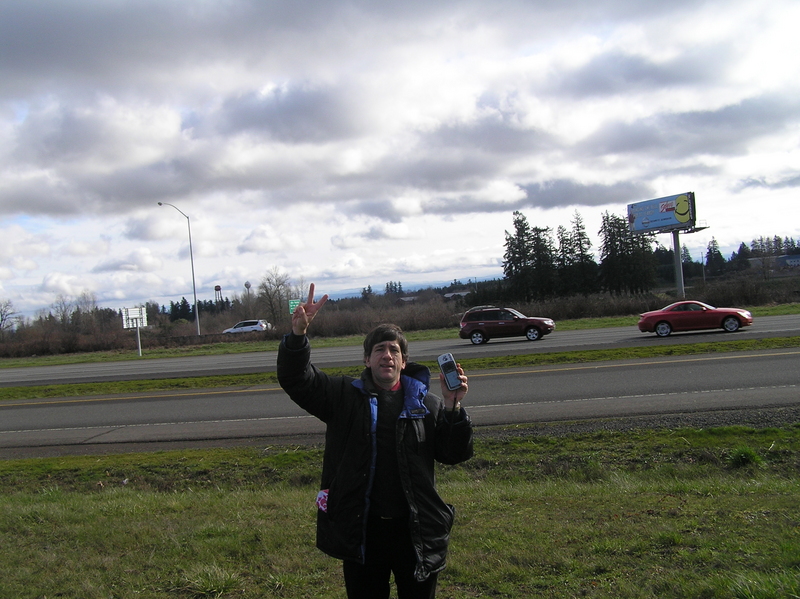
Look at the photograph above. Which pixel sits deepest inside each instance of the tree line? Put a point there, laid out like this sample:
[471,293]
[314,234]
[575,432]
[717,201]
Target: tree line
[538,265]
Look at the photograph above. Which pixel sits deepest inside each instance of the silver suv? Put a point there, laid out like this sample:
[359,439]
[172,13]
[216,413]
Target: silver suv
[248,326]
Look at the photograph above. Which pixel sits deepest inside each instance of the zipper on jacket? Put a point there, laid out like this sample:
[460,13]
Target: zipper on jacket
[373,436]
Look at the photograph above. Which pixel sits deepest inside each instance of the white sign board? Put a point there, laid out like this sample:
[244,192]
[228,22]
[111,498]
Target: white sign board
[133,318]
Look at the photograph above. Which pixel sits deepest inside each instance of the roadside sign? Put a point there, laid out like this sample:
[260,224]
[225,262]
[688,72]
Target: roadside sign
[133,318]
[293,305]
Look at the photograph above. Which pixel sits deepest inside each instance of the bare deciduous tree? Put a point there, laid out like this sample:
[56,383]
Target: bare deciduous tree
[273,295]
[7,316]
[300,291]
[63,310]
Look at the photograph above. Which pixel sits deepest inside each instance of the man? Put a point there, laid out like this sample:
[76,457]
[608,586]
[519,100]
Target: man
[378,509]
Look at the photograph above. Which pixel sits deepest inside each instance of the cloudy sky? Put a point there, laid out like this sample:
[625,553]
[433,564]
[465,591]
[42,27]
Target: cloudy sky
[352,143]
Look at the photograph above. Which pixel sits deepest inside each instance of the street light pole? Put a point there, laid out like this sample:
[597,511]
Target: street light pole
[191,259]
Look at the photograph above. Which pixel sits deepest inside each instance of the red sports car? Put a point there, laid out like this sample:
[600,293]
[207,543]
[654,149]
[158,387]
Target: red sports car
[693,316]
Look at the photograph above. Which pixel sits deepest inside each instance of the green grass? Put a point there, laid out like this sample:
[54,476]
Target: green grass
[644,514]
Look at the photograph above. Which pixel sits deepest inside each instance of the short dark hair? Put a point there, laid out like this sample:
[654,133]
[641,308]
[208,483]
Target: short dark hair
[386,332]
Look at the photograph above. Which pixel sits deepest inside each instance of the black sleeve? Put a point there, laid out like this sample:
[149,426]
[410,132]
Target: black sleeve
[308,387]
[295,342]
[453,436]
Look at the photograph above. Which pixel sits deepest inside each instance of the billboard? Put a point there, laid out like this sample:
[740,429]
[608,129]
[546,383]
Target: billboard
[662,214]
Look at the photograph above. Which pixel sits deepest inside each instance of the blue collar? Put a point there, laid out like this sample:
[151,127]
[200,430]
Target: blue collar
[415,387]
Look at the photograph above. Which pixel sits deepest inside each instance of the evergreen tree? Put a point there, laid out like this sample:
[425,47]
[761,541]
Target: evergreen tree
[715,261]
[180,310]
[543,266]
[517,257]
[614,247]
[565,262]
[584,265]
[686,256]
[529,262]
[690,267]
[740,260]
[627,263]
[565,254]
[577,270]
[758,247]
[665,263]
[393,288]
[643,276]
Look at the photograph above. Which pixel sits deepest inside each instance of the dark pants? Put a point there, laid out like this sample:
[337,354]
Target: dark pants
[389,550]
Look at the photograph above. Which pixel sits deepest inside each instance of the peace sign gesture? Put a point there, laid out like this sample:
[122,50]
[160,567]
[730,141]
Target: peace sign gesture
[305,313]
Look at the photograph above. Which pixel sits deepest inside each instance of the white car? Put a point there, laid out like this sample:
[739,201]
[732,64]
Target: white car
[249,326]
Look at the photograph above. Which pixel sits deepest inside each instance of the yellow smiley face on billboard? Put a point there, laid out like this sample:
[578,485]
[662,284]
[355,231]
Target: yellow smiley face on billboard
[683,209]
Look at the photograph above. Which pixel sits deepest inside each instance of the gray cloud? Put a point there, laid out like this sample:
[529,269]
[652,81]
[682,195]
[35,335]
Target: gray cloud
[59,134]
[40,196]
[300,114]
[726,131]
[788,181]
[121,45]
[145,185]
[617,72]
[124,47]
[384,210]
[493,136]
[560,193]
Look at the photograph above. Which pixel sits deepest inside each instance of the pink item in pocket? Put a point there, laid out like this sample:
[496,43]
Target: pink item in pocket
[322,500]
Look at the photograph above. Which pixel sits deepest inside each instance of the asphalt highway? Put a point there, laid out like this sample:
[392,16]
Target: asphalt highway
[263,415]
[558,341]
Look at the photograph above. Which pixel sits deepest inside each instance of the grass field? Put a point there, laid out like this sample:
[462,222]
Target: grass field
[687,513]
[650,514]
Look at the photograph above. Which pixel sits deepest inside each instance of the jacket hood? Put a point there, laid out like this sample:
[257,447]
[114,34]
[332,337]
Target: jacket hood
[416,380]
[417,372]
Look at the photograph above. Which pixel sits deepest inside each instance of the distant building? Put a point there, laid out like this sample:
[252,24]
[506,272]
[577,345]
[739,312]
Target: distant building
[792,261]
[454,295]
[776,262]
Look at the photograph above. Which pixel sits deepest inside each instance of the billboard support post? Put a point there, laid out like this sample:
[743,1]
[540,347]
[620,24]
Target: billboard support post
[676,248]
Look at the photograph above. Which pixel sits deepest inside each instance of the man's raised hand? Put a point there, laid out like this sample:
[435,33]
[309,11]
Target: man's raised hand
[305,313]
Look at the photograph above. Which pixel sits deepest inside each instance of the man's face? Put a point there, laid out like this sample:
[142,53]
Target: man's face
[385,361]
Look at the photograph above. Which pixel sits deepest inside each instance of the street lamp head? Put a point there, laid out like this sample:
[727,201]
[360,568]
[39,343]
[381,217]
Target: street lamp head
[160,204]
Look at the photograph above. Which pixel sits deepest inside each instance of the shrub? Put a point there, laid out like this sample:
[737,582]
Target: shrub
[744,456]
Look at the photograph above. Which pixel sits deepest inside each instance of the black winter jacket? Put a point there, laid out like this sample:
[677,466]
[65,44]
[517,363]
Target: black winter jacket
[425,433]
